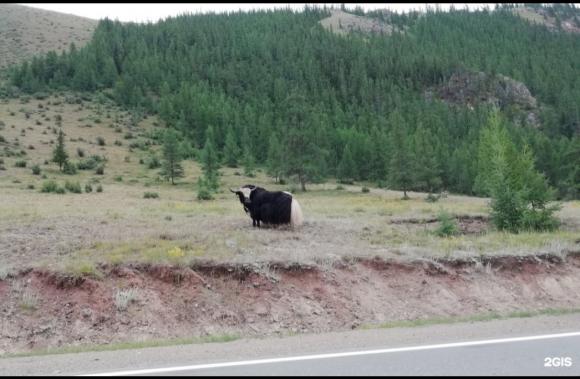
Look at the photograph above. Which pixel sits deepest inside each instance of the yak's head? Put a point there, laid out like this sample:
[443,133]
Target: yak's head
[244,195]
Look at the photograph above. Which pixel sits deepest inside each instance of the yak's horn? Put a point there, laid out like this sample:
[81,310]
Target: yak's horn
[233,191]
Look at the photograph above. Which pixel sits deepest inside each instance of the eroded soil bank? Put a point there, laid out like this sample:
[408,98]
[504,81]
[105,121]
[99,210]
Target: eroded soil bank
[40,309]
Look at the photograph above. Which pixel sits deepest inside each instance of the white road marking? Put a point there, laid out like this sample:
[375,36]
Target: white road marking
[334,355]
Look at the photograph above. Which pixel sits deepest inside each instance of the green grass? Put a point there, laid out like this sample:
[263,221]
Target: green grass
[128,345]
[473,318]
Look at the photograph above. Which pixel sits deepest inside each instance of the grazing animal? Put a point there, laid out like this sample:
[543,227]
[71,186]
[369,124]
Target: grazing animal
[268,207]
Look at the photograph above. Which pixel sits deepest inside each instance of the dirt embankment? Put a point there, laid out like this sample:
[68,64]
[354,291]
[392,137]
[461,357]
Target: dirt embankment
[45,310]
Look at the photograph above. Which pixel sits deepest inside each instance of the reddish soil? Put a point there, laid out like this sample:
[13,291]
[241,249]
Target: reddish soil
[217,299]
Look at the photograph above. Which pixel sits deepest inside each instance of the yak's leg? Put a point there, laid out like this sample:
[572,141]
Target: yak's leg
[253,222]
[258,223]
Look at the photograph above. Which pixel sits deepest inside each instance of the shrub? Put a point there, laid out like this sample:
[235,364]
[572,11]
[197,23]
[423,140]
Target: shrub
[365,190]
[432,198]
[340,187]
[49,186]
[151,195]
[118,178]
[20,163]
[203,191]
[69,168]
[125,297]
[118,143]
[2,139]
[100,170]
[73,187]
[88,163]
[88,188]
[36,170]
[100,141]
[60,190]
[447,225]
[99,188]
[30,186]
[80,153]
[153,162]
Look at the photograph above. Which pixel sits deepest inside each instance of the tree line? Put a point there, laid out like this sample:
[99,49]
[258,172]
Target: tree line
[274,89]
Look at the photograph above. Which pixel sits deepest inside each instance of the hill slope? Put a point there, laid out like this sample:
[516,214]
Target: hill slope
[247,76]
[26,32]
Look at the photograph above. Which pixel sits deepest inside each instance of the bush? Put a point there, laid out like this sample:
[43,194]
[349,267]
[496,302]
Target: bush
[118,143]
[80,153]
[2,139]
[203,191]
[153,162]
[151,195]
[69,168]
[60,190]
[447,225]
[49,186]
[99,188]
[541,219]
[340,187]
[432,198]
[89,163]
[100,141]
[118,178]
[36,170]
[30,186]
[20,163]
[73,187]
[365,190]
[100,170]
[88,188]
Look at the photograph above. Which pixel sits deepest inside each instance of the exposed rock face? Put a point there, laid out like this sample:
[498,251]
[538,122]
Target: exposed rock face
[545,16]
[472,88]
[343,23]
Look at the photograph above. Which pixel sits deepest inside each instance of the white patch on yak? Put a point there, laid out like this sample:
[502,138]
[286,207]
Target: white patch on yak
[246,192]
[296,217]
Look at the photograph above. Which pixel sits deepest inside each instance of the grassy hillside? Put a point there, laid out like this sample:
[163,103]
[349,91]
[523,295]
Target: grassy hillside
[267,75]
[26,32]
[73,232]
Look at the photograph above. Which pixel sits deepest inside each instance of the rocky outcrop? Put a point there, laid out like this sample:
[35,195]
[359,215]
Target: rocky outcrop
[469,89]
[343,23]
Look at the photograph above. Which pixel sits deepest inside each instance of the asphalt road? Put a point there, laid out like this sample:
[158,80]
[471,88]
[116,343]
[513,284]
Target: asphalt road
[546,345]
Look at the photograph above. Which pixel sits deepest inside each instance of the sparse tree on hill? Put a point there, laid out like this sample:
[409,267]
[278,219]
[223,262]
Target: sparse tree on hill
[59,155]
[210,162]
[231,149]
[401,163]
[275,160]
[171,167]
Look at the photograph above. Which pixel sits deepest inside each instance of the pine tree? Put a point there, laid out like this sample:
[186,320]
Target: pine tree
[346,171]
[426,167]
[171,167]
[59,155]
[401,162]
[520,194]
[303,155]
[231,149]
[275,160]
[249,163]
[210,162]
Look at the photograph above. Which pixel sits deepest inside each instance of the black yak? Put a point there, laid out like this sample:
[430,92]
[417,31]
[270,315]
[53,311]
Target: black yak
[273,208]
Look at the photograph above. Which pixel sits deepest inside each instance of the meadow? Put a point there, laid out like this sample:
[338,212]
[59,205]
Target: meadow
[75,232]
